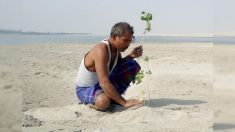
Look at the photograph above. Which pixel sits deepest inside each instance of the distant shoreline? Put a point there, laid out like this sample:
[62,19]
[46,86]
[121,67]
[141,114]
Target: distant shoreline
[3,31]
[19,37]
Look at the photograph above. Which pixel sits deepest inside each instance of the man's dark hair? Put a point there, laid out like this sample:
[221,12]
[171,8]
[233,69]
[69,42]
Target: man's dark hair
[120,28]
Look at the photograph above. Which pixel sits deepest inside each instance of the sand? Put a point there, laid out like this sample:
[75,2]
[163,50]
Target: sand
[42,76]
[224,88]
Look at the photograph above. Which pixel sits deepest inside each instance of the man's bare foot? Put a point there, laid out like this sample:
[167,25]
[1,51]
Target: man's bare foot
[93,106]
[102,102]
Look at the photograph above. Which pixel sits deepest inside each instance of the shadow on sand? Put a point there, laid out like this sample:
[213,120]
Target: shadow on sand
[157,103]
[164,102]
[223,126]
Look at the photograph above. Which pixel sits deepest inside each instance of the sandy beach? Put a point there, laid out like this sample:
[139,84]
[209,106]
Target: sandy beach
[41,79]
[224,88]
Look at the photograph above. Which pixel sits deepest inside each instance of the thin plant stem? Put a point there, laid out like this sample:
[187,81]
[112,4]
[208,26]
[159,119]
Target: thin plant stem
[146,85]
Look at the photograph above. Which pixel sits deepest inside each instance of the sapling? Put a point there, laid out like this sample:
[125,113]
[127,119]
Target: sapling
[147,17]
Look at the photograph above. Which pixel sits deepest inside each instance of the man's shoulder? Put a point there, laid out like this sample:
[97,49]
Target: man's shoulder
[100,46]
[99,49]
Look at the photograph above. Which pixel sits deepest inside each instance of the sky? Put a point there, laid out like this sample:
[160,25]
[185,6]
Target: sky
[170,17]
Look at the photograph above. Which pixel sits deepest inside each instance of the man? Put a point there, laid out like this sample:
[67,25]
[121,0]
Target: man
[104,75]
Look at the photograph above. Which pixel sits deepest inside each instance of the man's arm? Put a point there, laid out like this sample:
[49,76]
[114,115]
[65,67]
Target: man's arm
[101,58]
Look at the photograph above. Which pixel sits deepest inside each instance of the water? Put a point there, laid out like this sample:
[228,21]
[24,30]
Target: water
[92,39]
[44,39]
[224,40]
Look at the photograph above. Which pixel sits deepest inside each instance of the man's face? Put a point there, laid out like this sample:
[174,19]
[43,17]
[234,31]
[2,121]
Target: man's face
[123,42]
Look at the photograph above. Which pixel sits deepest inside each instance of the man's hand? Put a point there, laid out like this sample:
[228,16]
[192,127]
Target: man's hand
[136,52]
[132,102]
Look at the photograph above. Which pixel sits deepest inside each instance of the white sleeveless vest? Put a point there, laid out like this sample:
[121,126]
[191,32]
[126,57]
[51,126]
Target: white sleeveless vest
[87,78]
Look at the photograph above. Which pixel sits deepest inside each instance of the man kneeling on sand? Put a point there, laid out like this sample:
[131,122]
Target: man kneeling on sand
[104,75]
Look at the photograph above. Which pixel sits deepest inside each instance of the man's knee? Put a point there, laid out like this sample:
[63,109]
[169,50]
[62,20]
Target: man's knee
[136,65]
[102,102]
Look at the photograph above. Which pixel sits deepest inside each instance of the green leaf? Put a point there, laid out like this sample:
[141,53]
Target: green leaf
[142,18]
[148,26]
[148,72]
[150,17]
[138,77]
[146,58]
